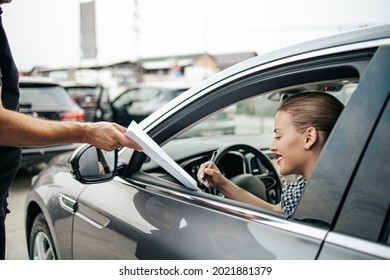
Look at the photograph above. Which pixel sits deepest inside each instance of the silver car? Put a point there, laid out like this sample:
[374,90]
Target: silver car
[134,209]
[140,100]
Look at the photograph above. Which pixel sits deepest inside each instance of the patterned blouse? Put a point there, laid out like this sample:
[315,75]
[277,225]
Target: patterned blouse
[291,194]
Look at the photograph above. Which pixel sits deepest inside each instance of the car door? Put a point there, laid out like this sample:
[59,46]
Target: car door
[104,111]
[103,225]
[150,223]
[121,106]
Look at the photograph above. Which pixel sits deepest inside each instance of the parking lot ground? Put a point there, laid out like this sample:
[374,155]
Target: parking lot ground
[16,237]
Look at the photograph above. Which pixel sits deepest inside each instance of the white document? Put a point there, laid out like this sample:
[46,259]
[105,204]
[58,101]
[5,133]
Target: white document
[154,151]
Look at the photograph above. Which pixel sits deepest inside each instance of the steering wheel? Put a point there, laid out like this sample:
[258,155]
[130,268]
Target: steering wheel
[263,182]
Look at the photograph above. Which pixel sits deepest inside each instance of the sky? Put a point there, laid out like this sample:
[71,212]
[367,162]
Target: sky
[47,32]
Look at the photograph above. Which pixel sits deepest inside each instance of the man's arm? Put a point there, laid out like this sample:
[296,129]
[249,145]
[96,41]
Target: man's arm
[20,130]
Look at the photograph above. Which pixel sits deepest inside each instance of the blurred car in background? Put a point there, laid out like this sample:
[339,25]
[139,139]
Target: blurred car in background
[44,98]
[141,100]
[222,123]
[91,97]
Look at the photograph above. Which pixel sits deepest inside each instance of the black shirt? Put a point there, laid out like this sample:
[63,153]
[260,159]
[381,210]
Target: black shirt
[9,156]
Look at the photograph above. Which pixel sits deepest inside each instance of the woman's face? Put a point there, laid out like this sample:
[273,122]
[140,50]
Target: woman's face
[288,144]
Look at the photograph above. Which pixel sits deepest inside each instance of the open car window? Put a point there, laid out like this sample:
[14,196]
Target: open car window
[250,121]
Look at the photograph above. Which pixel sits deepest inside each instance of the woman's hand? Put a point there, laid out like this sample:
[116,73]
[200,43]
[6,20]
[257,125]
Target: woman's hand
[213,178]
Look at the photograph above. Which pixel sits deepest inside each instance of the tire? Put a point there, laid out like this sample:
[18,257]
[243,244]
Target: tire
[41,245]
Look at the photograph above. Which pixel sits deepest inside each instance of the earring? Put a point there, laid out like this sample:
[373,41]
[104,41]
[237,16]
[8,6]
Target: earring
[306,148]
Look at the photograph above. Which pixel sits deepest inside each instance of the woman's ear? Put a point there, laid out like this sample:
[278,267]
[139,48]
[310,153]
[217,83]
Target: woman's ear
[311,137]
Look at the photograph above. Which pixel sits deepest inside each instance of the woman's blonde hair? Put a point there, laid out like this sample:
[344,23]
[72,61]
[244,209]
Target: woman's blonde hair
[313,109]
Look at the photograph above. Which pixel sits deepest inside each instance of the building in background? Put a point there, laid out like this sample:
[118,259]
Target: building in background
[88,49]
[116,76]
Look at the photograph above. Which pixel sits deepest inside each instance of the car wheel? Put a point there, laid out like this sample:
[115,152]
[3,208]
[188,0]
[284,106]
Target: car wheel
[41,243]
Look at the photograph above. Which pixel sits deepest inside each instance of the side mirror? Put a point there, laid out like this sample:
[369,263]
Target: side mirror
[92,165]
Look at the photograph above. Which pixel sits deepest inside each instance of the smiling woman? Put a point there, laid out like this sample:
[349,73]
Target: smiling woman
[301,131]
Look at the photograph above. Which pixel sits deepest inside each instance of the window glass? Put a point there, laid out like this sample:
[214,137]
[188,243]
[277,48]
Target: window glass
[85,96]
[81,92]
[38,98]
[144,94]
[176,93]
[105,100]
[124,99]
[136,95]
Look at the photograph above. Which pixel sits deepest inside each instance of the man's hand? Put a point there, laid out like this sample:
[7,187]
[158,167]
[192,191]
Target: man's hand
[109,136]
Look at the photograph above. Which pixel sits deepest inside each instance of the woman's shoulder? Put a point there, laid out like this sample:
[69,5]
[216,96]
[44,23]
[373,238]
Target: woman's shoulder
[300,183]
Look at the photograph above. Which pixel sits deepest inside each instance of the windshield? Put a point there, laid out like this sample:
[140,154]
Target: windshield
[81,92]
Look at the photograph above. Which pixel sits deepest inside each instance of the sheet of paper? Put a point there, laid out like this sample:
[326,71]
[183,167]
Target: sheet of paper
[155,152]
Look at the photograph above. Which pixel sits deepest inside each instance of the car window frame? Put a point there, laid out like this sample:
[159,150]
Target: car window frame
[168,127]
[327,67]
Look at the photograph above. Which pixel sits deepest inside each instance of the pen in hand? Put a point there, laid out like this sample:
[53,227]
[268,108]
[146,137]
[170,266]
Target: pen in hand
[210,162]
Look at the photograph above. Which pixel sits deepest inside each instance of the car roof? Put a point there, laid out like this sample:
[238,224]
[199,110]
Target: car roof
[37,80]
